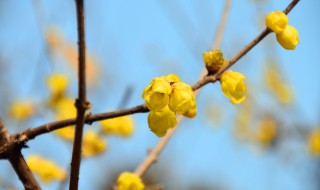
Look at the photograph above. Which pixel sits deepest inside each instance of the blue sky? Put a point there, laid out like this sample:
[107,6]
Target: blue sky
[135,41]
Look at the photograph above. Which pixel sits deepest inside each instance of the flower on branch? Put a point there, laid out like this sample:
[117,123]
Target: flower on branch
[129,181]
[288,38]
[166,96]
[277,21]
[233,86]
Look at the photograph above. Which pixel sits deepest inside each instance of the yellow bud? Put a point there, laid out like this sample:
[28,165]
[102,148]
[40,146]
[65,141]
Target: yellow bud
[46,169]
[314,142]
[156,94]
[129,181]
[213,60]
[288,38]
[277,21]
[233,86]
[123,126]
[182,98]
[93,144]
[160,121]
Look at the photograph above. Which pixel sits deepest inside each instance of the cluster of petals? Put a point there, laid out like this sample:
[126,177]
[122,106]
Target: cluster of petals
[165,97]
[287,35]
[233,86]
[129,181]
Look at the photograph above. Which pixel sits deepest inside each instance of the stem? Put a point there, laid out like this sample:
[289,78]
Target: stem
[81,103]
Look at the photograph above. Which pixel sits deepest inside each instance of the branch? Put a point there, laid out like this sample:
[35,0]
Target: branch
[81,103]
[154,153]
[17,161]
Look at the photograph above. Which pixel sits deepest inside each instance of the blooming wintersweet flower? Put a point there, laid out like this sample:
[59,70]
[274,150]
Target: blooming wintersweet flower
[129,181]
[47,170]
[182,98]
[233,86]
[160,121]
[277,21]
[93,144]
[122,126]
[156,94]
[288,38]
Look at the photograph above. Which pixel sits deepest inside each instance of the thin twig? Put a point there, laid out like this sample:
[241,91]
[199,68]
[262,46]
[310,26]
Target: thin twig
[154,153]
[81,103]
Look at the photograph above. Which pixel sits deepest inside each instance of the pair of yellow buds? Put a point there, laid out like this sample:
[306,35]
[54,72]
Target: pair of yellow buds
[165,96]
[287,35]
[232,83]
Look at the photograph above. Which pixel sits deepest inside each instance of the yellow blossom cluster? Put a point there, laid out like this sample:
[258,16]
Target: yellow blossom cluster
[213,60]
[287,35]
[233,86]
[314,142]
[22,110]
[47,170]
[129,181]
[122,126]
[165,96]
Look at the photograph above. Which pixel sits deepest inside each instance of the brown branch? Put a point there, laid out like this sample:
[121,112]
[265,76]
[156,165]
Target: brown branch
[154,153]
[17,161]
[81,103]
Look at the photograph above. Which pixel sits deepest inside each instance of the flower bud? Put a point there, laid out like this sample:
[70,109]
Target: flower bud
[288,38]
[129,181]
[233,86]
[160,121]
[182,98]
[277,21]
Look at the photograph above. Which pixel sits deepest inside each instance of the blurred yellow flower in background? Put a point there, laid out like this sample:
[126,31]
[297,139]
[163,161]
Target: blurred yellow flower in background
[21,110]
[93,144]
[122,126]
[267,131]
[314,142]
[47,170]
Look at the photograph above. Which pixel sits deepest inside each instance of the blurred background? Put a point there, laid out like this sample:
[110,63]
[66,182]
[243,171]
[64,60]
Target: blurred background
[270,141]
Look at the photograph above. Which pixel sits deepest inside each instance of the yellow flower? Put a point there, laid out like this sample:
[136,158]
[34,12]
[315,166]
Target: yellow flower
[65,110]
[160,121]
[288,38]
[314,142]
[123,126]
[233,86]
[277,21]
[46,169]
[171,78]
[57,83]
[156,94]
[21,110]
[213,60]
[129,181]
[93,144]
[182,98]
[266,132]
